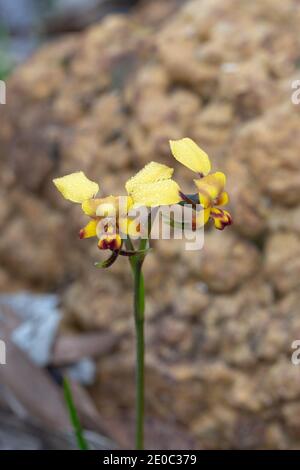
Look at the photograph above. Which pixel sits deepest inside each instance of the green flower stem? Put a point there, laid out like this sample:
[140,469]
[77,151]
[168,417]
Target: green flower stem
[81,442]
[139,309]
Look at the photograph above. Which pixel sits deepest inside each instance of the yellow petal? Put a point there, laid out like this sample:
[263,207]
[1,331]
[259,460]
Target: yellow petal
[89,206]
[90,230]
[201,218]
[221,218]
[161,193]
[205,200]
[104,207]
[223,199]
[124,204]
[76,187]
[151,173]
[130,227]
[210,187]
[187,152]
[107,209]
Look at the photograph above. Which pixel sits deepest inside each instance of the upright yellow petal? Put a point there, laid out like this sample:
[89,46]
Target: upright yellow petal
[161,193]
[187,152]
[90,230]
[210,187]
[76,187]
[151,173]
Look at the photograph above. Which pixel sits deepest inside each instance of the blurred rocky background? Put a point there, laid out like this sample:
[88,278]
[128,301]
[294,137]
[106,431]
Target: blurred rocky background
[220,322]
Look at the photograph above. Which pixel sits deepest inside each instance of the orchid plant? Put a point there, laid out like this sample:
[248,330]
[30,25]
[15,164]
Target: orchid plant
[114,223]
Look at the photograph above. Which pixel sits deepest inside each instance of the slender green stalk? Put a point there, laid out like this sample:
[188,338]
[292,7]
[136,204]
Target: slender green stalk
[139,308]
[81,442]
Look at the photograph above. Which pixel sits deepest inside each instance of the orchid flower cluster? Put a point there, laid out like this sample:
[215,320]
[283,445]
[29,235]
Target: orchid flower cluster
[112,222]
[151,187]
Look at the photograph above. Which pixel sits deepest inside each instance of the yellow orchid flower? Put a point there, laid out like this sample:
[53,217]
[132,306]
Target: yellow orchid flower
[210,186]
[212,194]
[76,187]
[152,186]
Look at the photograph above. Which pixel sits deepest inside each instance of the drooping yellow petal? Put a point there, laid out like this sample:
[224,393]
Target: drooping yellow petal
[210,188]
[221,218]
[161,193]
[90,230]
[187,152]
[76,187]
[151,173]
[223,199]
